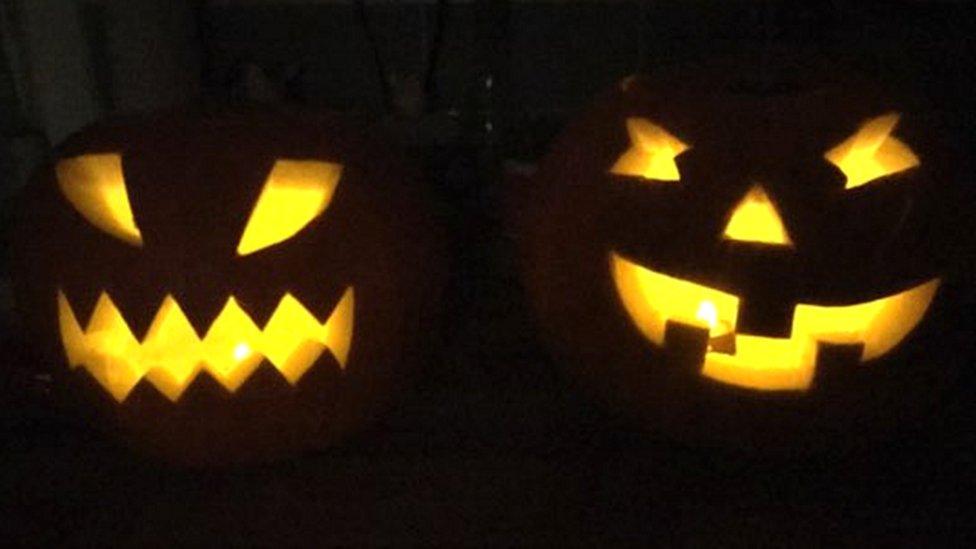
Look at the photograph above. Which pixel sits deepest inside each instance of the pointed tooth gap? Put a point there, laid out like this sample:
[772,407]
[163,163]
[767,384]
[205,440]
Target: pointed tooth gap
[82,301]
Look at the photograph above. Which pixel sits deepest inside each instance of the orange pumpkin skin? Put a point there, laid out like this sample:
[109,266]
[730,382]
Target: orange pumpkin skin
[193,179]
[848,246]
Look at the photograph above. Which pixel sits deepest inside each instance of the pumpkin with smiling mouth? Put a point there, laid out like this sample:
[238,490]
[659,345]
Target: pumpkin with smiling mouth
[227,286]
[744,261]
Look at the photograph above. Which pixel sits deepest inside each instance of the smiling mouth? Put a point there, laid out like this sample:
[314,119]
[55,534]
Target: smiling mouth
[171,354]
[653,299]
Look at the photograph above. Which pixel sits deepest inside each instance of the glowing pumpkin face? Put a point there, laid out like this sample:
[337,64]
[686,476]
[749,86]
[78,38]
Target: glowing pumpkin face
[756,361]
[700,249]
[226,286]
[172,354]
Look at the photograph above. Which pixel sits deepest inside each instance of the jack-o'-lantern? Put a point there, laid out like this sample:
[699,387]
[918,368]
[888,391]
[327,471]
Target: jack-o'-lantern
[227,286]
[745,259]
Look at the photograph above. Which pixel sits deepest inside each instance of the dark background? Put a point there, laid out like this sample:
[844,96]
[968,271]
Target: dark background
[493,445]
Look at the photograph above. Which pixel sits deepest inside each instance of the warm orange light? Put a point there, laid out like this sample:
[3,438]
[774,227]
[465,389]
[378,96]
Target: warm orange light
[708,314]
[95,186]
[672,299]
[651,154]
[171,354]
[296,192]
[766,363]
[241,351]
[755,219]
[872,152]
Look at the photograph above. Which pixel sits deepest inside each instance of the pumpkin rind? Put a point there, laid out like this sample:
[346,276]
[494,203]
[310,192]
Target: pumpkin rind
[835,247]
[193,178]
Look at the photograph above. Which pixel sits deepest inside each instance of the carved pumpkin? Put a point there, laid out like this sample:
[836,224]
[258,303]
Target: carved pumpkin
[227,286]
[744,261]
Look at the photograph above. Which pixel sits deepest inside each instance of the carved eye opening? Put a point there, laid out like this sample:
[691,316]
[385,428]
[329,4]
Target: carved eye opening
[295,193]
[651,154]
[872,152]
[95,186]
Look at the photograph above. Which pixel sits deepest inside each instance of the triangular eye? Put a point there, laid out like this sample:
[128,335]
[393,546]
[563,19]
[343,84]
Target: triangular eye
[95,186]
[755,219]
[295,193]
[651,154]
[872,152]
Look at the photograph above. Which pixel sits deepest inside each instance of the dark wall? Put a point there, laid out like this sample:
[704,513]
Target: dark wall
[547,59]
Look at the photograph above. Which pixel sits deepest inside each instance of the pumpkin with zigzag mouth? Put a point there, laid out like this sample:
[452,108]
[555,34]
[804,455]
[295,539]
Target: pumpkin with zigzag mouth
[227,286]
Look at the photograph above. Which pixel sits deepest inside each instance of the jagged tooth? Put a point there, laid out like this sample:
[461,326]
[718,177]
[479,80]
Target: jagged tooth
[116,374]
[106,348]
[170,325]
[171,350]
[107,318]
[337,330]
[289,327]
[300,360]
[235,375]
[232,346]
[72,336]
[112,349]
[173,379]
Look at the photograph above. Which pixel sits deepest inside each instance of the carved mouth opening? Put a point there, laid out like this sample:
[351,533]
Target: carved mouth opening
[172,354]
[764,363]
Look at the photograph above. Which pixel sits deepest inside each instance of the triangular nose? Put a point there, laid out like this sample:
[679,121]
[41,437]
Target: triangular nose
[755,219]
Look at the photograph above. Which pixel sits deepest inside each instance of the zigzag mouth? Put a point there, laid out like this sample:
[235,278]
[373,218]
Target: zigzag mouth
[172,354]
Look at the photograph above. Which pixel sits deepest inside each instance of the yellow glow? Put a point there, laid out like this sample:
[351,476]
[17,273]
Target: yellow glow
[672,298]
[872,152]
[708,314]
[292,328]
[171,355]
[296,192]
[766,363]
[230,347]
[241,351]
[755,219]
[651,154]
[95,186]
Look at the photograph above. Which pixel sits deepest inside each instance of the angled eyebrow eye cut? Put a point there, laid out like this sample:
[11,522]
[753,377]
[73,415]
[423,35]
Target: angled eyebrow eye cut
[651,153]
[872,152]
[653,298]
